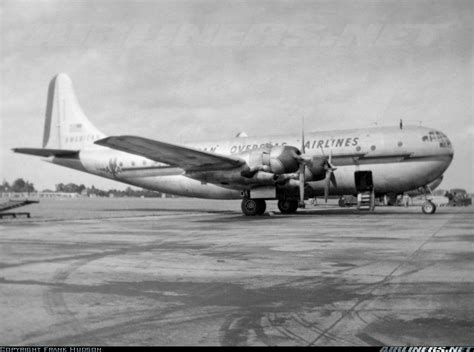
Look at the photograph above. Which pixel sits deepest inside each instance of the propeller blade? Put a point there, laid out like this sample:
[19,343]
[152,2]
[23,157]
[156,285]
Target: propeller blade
[330,178]
[327,184]
[302,161]
[301,185]
[330,161]
[333,180]
[302,135]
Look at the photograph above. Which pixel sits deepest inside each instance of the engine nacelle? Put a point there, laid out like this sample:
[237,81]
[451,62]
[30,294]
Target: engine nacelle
[274,159]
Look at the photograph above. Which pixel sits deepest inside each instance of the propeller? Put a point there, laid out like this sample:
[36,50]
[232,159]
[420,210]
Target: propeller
[305,160]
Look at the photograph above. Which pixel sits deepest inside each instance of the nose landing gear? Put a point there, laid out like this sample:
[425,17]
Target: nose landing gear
[428,207]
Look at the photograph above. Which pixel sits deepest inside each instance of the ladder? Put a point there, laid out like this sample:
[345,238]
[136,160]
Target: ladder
[11,204]
[366,200]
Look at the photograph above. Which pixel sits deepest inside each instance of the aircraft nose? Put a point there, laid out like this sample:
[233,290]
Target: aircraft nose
[447,147]
[443,140]
[439,144]
[446,143]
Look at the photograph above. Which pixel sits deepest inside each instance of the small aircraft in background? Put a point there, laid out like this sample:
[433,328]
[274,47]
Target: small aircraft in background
[288,168]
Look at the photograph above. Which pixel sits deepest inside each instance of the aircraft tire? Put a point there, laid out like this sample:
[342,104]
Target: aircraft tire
[428,207]
[252,207]
[287,206]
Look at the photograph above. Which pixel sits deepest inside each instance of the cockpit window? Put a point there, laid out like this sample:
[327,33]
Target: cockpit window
[435,136]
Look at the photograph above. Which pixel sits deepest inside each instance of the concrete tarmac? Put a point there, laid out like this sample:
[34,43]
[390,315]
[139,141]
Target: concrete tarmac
[197,272]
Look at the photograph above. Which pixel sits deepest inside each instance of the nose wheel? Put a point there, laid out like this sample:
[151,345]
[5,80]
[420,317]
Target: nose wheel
[428,207]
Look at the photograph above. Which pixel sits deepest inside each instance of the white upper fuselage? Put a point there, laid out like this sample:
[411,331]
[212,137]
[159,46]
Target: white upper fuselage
[399,159]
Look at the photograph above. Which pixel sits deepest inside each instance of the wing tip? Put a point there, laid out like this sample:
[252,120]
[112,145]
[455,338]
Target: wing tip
[45,152]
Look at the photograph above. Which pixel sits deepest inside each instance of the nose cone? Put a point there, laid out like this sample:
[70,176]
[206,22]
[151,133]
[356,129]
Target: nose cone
[445,144]
[437,141]
[450,147]
[437,148]
[445,150]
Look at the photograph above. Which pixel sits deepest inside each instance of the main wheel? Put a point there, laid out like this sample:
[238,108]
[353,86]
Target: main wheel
[428,207]
[287,206]
[252,207]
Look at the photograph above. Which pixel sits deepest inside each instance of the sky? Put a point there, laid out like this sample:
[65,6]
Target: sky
[192,70]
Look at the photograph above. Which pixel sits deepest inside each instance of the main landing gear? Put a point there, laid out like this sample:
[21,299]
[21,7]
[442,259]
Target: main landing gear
[252,207]
[287,206]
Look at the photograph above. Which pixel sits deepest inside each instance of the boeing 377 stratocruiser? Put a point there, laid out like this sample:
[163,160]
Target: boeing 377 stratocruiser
[289,168]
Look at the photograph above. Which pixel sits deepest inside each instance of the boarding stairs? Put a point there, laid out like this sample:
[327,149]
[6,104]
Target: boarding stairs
[366,200]
[12,204]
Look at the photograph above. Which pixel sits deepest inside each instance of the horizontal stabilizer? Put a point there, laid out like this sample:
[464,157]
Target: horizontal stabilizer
[47,152]
[188,159]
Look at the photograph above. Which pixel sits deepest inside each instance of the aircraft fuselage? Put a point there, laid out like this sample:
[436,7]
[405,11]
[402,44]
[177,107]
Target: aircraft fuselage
[399,159]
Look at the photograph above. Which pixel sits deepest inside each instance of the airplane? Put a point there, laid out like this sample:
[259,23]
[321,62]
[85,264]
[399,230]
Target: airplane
[288,168]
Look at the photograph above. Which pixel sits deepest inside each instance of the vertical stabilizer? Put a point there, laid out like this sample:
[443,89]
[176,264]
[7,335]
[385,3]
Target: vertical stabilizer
[66,126]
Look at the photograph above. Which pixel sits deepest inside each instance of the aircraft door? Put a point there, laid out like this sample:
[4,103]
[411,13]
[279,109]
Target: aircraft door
[363,181]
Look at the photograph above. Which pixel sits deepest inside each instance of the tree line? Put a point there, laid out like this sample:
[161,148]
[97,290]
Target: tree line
[22,186]
[19,185]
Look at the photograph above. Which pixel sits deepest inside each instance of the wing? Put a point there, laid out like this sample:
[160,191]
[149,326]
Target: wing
[174,155]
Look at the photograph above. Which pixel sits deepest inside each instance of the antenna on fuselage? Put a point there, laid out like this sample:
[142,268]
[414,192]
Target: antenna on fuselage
[241,135]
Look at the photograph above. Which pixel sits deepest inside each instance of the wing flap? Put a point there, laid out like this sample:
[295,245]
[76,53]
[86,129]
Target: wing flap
[186,158]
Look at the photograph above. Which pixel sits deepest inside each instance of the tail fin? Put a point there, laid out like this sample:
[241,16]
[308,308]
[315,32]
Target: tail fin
[66,126]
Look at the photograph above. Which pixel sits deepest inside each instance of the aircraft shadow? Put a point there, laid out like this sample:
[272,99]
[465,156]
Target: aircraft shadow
[168,210]
[237,216]
[324,213]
